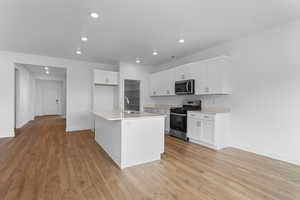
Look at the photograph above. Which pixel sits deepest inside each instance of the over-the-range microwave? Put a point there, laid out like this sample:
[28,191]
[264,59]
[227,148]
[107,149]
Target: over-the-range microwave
[185,87]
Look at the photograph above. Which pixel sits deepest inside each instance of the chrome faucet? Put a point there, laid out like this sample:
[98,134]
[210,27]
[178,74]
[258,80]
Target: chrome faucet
[127,100]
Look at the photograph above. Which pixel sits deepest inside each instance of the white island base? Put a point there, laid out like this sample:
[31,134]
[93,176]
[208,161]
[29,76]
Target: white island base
[130,139]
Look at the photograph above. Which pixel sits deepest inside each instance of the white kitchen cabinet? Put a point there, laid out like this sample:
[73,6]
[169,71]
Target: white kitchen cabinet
[219,76]
[182,72]
[194,128]
[162,83]
[102,77]
[160,110]
[208,134]
[199,74]
[210,130]
[212,76]
[167,86]
[155,81]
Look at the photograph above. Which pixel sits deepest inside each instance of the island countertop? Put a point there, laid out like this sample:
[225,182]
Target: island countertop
[120,115]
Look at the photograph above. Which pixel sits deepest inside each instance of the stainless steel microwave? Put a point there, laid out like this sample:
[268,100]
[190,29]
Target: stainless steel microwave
[186,87]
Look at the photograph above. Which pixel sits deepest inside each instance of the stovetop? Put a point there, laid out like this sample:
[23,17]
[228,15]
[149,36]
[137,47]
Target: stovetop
[187,105]
[183,110]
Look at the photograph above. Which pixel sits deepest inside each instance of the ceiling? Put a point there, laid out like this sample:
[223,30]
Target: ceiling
[54,71]
[131,29]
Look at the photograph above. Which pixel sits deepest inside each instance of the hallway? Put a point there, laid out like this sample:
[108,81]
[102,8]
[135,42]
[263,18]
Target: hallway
[44,163]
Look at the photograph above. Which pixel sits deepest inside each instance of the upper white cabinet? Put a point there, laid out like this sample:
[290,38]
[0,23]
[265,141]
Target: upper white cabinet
[162,83]
[106,77]
[212,76]
[183,72]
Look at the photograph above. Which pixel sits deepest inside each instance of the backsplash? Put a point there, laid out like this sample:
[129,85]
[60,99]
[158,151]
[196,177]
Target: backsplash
[208,101]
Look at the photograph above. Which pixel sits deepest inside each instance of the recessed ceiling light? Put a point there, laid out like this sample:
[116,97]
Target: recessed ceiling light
[46,68]
[181,41]
[78,52]
[47,72]
[84,39]
[138,61]
[155,53]
[94,15]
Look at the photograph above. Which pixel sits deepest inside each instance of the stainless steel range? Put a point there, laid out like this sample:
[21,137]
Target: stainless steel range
[178,118]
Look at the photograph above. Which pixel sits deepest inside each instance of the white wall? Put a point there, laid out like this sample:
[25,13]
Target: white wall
[24,96]
[79,88]
[266,98]
[104,97]
[135,72]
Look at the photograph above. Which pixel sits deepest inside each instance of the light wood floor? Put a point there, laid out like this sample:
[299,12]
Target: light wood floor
[45,163]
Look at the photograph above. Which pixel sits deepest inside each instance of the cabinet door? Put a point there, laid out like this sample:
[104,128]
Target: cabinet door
[164,83]
[213,74]
[208,135]
[194,128]
[198,72]
[155,82]
[168,86]
[99,77]
[111,78]
[105,77]
[182,72]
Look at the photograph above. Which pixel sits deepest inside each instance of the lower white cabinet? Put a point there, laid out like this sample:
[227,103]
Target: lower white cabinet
[161,111]
[194,128]
[208,134]
[210,130]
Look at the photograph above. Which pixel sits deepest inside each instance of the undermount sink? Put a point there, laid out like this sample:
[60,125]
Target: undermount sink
[131,112]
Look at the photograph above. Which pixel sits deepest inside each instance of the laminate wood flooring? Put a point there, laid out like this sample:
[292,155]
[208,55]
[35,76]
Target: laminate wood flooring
[46,163]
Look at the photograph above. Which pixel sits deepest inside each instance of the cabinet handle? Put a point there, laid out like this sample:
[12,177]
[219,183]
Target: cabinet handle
[192,115]
[106,80]
[182,76]
[168,92]
[154,93]
[206,89]
[206,117]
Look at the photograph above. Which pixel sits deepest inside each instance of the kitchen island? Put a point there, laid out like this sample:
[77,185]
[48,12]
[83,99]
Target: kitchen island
[130,138]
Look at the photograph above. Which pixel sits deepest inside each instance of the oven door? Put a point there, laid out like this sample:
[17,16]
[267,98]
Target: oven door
[178,122]
[184,87]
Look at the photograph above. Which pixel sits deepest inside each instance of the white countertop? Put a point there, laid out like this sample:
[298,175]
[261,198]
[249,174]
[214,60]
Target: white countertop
[119,115]
[160,106]
[212,110]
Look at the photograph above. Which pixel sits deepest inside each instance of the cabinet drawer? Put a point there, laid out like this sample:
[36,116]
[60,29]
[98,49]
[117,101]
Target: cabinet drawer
[196,115]
[204,116]
[199,115]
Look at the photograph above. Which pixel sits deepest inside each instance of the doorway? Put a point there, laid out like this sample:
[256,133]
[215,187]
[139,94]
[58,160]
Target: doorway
[17,96]
[49,97]
[39,90]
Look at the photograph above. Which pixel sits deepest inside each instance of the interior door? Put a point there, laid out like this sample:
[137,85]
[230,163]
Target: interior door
[49,95]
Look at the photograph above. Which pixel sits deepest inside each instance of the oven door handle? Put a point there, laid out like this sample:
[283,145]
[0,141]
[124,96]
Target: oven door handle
[184,115]
[187,86]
